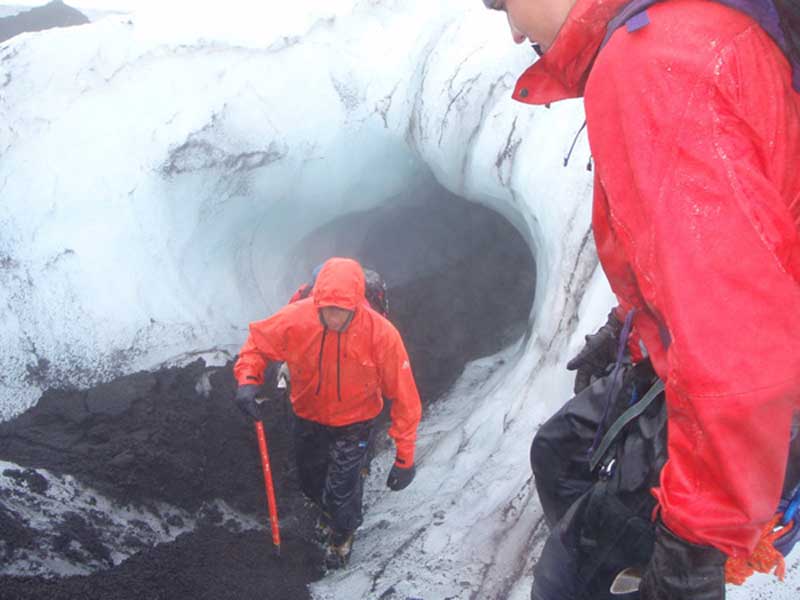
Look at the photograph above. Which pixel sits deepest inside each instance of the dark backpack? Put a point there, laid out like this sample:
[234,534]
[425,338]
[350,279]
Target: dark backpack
[375,291]
[779,18]
[789,14]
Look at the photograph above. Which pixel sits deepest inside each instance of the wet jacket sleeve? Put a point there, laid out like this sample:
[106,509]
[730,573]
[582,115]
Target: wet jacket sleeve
[713,253]
[265,343]
[398,385]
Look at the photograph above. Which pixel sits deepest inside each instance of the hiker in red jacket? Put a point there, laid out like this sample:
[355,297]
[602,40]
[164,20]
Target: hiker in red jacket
[343,357]
[694,128]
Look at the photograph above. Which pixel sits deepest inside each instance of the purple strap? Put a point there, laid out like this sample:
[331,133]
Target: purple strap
[612,390]
[634,17]
[636,22]
[628,11]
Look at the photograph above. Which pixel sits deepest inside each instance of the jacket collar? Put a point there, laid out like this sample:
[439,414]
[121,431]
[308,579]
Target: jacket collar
[562,71]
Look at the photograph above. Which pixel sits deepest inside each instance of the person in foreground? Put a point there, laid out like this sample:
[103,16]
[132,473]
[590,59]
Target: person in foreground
[694,127]
[344,358]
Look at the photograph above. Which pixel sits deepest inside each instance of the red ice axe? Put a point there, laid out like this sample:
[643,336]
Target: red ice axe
[273,508]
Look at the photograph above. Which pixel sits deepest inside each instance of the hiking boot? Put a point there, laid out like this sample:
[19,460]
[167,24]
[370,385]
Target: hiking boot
[337,552]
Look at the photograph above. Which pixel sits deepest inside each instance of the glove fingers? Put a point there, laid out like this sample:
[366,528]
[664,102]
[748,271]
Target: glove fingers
[400,478]
[255,412]
[575,362]
[583,379]
[249,409]
[593,356]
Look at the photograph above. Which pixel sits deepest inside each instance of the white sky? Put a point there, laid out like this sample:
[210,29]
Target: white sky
[97,4]
[138,4]
[262,19]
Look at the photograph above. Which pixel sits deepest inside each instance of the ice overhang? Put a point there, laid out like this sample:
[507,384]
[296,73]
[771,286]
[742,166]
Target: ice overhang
[155,191]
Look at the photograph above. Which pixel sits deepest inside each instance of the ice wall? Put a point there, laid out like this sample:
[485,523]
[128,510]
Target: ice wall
[153,179]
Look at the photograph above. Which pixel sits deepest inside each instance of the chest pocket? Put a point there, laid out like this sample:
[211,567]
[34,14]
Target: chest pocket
[360,376]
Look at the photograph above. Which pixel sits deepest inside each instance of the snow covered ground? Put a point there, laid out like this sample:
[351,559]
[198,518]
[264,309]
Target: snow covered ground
[60,511]
[157,171]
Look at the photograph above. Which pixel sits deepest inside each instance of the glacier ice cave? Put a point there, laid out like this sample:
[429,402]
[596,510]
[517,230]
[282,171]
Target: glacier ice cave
[169,175]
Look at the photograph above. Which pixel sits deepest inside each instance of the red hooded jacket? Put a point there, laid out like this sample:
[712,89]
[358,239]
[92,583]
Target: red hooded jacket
[695,132]
[338,378]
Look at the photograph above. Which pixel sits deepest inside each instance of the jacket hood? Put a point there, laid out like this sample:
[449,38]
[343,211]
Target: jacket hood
[340,283]
[563,70]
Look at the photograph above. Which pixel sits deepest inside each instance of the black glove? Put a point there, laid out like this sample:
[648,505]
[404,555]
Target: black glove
[598,353]
[400,477]
[679,570]
[246,401]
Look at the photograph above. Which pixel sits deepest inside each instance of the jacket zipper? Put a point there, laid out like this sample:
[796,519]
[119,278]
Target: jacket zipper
[339,365]
[319,362]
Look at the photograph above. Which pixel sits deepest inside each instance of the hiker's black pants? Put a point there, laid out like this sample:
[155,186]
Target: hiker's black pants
[330,464]
[598,526]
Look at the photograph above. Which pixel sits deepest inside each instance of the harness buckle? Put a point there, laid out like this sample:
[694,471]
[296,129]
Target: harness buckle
[607,470]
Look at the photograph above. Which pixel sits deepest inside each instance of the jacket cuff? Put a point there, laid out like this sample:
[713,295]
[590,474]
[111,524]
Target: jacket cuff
[249,379]
[404,458]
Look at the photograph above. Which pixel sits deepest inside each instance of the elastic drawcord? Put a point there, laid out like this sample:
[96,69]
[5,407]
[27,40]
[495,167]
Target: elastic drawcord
[572,147]
[612,390]
[319,364]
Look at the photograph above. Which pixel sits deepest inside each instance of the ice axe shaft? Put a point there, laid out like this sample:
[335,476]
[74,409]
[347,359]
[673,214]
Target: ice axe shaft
[273,507]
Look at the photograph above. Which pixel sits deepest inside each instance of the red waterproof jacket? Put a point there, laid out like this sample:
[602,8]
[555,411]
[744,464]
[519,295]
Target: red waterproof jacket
[695,132]
[338,378]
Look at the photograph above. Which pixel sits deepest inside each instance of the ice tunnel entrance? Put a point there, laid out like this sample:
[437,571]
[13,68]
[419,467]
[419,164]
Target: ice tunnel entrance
[460,277]
[461,282]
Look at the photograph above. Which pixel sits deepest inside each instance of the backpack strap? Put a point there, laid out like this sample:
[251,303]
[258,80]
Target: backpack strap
[629,415]
[633,15]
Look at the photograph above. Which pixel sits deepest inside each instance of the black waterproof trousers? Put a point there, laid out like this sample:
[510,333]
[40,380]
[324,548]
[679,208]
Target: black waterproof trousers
[600,522]
[330,465]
